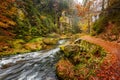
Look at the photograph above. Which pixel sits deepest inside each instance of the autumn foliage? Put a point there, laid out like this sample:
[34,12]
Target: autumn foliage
[110,69]
[7,13]
[83,10]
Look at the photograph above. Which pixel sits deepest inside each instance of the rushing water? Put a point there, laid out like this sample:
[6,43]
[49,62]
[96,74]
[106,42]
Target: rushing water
[31,66]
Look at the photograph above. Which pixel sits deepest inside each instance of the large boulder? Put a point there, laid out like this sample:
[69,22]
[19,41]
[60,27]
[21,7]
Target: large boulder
[50,41]
[70,49]
[53,35]
[17,44]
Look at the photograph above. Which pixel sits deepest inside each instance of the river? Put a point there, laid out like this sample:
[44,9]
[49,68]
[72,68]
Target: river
[31,66]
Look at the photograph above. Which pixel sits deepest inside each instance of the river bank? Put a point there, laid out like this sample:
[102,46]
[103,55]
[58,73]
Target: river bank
[18,46]
[14,46]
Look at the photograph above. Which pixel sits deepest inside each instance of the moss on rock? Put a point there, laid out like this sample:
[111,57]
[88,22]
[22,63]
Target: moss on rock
[70,49]
[50,41]
[84,57]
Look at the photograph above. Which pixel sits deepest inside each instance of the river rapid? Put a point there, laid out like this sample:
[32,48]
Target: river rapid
[38,65]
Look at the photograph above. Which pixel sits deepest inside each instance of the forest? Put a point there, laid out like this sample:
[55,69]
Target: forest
[59,39]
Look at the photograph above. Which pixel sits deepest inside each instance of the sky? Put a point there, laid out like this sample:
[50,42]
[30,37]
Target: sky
[80,1]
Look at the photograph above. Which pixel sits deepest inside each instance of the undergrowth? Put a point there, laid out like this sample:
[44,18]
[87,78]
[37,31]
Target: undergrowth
[83,64]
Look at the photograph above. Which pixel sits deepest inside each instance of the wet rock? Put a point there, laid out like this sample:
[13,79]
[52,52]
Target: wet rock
[77,41]
[6,65]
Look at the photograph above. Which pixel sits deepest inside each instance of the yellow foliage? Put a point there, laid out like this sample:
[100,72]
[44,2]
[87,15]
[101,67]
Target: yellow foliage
[84,26]
[21,14]
[7,11]
[33,46]
[62,47]
[6,22]
[12,23]
[12,11]
[3,25]
[43,17]
[63,19]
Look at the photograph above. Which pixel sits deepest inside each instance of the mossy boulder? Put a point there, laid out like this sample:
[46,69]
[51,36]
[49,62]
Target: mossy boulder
[34,44]
[50,41]
[17,44]
[39,39]
[70,49]
[53,35]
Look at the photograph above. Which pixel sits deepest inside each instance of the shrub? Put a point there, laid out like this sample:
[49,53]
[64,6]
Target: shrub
[100,24]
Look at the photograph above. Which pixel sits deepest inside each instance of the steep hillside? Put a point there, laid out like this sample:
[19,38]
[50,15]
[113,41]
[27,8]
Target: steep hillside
[20,18]
[22,21]
[108,25]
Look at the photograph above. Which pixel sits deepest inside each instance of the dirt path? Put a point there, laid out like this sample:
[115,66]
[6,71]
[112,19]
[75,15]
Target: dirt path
[110,69]
[111,47]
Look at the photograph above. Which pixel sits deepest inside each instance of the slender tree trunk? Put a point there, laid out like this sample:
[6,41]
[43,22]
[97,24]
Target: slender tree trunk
[89,19]
[89,22]
[108,3]
[103,4]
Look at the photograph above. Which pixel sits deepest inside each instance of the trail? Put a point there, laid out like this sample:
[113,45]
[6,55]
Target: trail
[111,47]
[110,69]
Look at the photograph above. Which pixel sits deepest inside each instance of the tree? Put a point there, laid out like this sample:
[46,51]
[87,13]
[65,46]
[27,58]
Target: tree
[85,12]
[7,13]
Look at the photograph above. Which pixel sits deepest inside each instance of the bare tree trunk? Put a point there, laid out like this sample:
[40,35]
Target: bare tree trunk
[103,4]
[89,20]
[108,3]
